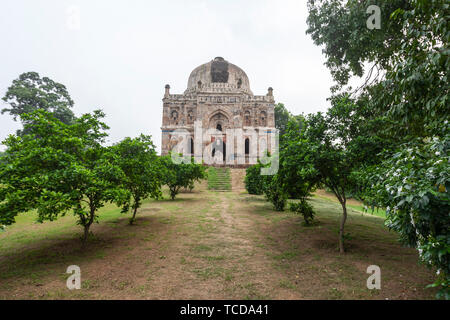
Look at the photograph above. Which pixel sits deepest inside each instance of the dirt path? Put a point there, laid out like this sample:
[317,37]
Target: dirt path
[237,180]
[216,255]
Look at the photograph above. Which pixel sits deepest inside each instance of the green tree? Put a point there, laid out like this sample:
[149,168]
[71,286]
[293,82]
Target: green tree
[143,171]
[254,180]
[414,186]
[408,58]
[181,175]
[303,208]
[282,116]
[295,170]
[291,180]
[196,172]
[407,90]
[271,186]
[274,189]
[335,146]
[56,167]
[330,161]
[30,92]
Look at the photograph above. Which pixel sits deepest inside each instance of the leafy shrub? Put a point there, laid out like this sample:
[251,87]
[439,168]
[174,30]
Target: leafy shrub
[181,175]
[303,208]
[271,186]
[254,181]
[143,172]
[275,192]
[414,187]
[55,168]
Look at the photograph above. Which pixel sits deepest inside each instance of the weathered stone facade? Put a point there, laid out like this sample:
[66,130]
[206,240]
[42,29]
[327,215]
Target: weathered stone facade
[218,119]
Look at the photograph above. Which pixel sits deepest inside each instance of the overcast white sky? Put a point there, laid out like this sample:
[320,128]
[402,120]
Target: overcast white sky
[126,51]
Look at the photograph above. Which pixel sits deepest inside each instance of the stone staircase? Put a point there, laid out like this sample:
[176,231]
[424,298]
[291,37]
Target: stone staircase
[219,179]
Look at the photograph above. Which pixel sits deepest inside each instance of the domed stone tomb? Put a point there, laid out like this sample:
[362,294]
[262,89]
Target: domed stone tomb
[218,119]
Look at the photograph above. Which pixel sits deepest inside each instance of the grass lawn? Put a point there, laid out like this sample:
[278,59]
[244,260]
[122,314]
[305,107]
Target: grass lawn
[209,245]
[352,204]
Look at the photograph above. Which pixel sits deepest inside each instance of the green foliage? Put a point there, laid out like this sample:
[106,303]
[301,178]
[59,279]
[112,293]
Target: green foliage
[275,192]
[295,170]
[254,181]
[326,152]
[182,175]
[413,185]
[330,160]
[290,171]
[30,92]
[272,186]
[408,96]
[303,208]
[340,27]
[410,54]
[143,172]
[282,116]
[57,167]
[2,156]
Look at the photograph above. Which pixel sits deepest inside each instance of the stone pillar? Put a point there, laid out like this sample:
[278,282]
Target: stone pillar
[167,93]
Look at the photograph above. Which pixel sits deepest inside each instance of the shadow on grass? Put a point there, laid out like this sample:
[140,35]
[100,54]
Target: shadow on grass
[178,199]
[56,253]
[364,235]
[250,198]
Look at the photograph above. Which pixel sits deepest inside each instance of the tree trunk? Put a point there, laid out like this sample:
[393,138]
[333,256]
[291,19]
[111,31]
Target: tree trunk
[88,224]
[341,229]
[86,233]
[134,216]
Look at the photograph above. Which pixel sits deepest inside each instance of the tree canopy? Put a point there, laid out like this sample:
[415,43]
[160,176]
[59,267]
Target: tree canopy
[406,93]
[56,167]
[181,175]
[407,59]
[142,169]
[30,92]
[282,116]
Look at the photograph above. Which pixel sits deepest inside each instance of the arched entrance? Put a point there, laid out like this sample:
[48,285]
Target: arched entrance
[191,145]
[219,122]
[247,150]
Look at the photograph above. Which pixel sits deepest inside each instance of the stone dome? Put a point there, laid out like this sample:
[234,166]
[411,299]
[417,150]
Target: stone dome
[218,74]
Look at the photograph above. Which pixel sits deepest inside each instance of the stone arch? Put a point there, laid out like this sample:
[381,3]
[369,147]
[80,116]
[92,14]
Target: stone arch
[174,117]
[263,117]
[219,117]
[247,118]
[190,116]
